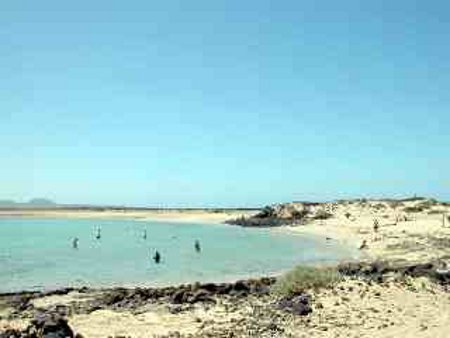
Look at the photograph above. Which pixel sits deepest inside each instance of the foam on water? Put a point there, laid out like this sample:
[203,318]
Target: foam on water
[37,254]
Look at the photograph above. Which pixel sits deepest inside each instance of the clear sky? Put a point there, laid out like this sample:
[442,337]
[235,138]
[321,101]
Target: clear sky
[223,103]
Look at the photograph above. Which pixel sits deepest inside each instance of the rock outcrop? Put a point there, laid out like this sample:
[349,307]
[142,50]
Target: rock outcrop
[283,214]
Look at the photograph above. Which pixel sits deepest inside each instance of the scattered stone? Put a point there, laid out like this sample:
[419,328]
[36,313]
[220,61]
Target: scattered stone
[299,305]
[52,325]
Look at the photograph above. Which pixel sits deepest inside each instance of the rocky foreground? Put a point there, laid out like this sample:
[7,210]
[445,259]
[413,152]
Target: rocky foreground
[377,299]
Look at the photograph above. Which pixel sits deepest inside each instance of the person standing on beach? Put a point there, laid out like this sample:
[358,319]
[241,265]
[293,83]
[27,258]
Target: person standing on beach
[75,243]
[376,225]
[197,246]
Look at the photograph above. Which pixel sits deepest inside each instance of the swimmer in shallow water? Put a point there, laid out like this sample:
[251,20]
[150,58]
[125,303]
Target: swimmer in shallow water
[99,233]
[197,246]
[75,243]
[157,257]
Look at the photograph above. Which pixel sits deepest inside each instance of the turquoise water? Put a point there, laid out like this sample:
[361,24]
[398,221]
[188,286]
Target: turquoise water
[37,254]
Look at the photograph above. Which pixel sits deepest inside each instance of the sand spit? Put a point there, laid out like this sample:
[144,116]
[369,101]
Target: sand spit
[162,215]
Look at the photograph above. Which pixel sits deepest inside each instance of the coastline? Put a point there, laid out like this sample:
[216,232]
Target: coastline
[391,290]
[337,253]
[206,216]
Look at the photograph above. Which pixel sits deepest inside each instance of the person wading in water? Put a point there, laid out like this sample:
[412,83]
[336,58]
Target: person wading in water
[75,243]
[99,233]
[157,257]
[197,246]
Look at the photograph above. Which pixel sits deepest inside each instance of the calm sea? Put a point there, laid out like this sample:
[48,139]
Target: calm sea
[37,254]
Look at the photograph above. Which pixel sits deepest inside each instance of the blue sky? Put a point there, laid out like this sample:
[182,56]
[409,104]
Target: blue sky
[223,103]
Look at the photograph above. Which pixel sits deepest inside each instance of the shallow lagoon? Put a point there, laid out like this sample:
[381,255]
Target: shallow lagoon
[37,254]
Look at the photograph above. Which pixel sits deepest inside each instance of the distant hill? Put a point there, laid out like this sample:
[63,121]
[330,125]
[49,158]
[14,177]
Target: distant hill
[33,203]
[7,203]
[41,202]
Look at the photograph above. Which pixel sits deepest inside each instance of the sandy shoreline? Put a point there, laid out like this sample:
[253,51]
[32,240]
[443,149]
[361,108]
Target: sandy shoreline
[163,215]
[383,304]
[401,235]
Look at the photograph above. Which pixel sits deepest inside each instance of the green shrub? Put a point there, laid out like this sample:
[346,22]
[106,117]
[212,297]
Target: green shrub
[302,278]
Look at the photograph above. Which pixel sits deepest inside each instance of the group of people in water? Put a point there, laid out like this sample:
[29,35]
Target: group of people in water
[156,257]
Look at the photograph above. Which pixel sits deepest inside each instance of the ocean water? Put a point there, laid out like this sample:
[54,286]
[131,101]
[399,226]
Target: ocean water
[37,254]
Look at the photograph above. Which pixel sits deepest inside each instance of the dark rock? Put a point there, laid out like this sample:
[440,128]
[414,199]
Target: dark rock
[52,325]
[375,271]
[201,296]
[276,215]
[443,275]
[114,296]
[10,334]
[298,305]
[179,297]
[63,291]
[241,285]
[210,287]
[21,302]
[174,309]
[260,222]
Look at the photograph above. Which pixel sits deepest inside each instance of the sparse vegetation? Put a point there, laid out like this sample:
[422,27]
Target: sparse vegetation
[302,278]
[427,204]
[272,216]
[395,204]
[322,214]
[267,211]
[413,209]
[257,221]
[299,214]
[379,206]
[413,199]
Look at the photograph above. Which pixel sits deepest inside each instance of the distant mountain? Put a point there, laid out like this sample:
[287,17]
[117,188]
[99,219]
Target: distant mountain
[7,203]
[41,202]
[33,203]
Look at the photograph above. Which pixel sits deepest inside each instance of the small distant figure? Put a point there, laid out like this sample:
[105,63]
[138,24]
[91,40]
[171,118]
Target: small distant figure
[363,245]
[75,243]
[99,233]
[144,235]
[157,257]
[376,225]
[197,246]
